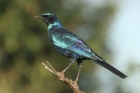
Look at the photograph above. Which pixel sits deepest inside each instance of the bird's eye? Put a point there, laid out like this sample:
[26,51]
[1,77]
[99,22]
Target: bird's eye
[48,17]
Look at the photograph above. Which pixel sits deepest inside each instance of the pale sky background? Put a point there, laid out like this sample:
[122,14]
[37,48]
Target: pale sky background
[124,36]
[125,31]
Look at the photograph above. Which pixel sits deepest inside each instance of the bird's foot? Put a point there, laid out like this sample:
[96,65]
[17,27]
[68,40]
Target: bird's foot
[78,74]
[62,73]
[61,76]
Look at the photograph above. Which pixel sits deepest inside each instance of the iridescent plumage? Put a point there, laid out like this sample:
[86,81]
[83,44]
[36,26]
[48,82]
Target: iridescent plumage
[71,46]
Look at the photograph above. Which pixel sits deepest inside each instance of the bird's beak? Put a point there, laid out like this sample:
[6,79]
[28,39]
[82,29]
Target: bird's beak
[39,17]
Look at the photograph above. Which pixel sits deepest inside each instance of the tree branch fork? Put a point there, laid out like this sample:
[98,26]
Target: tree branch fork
[70,83]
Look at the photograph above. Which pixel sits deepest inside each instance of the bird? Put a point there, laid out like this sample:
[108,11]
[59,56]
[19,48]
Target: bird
[71,46]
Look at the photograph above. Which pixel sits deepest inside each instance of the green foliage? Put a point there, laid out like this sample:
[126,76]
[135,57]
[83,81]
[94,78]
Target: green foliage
[24,44]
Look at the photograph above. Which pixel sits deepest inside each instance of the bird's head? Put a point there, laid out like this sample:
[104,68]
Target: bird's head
[50,19]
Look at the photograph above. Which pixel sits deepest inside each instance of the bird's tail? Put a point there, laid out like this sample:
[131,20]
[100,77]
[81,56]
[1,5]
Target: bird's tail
[110,68]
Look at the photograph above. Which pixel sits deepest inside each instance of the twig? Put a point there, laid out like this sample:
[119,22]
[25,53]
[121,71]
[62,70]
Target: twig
[72,84]
[51,67]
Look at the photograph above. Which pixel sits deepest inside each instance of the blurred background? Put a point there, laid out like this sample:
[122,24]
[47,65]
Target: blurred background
[111,28]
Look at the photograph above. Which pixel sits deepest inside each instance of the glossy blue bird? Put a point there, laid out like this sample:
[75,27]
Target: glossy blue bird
[71,46]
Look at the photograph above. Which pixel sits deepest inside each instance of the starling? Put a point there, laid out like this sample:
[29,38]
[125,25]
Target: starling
[70,45]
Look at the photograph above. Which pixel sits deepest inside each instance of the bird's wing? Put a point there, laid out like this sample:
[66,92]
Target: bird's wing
[80,48]
[68,40]
[84,50]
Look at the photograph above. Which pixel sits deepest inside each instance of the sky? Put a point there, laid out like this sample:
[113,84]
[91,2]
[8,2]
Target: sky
[125,31]
[124,39]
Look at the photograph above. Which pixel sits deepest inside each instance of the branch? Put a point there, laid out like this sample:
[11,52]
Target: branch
[72,84]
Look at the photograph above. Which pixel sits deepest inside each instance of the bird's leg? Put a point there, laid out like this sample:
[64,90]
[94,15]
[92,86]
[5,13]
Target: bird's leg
[73,60]
[76,80]
[67,67]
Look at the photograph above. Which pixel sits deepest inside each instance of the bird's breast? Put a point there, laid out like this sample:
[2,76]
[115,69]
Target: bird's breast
[59,43]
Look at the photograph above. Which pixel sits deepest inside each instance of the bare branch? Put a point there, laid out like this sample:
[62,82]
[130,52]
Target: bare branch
[51,67]
[72,84]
